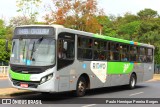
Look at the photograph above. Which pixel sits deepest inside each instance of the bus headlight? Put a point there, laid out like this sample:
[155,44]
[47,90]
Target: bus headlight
[46,78]
[43,80]
[49,77]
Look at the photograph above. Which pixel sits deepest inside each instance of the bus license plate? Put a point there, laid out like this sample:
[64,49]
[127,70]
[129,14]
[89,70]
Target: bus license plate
[24,85]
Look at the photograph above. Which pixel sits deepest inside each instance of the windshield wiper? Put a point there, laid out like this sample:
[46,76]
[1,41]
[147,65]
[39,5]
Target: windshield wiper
[40,40]
[24,49]
[32,50]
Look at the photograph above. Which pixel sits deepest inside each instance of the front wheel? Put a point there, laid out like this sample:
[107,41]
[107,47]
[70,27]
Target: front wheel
[81,87]
[132,82]
[45,93]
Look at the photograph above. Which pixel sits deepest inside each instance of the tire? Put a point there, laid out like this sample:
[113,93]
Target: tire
[132,81]
[45,93]
[81,87]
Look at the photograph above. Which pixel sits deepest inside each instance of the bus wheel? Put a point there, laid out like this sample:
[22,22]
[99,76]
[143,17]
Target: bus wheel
[81,87]
[132,81]
[45,93]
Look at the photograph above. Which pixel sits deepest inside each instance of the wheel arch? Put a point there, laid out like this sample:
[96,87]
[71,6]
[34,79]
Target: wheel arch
[86,77]
[134,73]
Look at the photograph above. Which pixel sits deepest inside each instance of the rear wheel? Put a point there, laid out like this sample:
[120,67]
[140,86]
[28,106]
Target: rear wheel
[132,82]
[81,87]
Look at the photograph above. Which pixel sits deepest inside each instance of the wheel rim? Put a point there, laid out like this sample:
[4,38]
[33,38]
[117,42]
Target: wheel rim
[81,87]
[133,82]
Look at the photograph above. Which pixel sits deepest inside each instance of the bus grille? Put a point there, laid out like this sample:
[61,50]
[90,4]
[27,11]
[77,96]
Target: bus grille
[29,70]
[31,84]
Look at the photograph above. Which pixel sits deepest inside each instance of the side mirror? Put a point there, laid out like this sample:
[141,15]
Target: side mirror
[6,46]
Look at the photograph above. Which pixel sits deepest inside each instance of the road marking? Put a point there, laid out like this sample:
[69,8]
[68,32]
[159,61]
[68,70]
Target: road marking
[89,105]
[136,93]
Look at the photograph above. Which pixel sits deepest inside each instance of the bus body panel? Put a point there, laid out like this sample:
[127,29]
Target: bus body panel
[101,73]
[52,84]
[148,71]
[68,78]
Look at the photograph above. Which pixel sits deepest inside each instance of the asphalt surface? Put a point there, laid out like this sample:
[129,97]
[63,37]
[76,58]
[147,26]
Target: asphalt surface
[5,83]
[142,90]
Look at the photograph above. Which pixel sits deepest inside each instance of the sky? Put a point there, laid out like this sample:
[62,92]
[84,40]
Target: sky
[111,7]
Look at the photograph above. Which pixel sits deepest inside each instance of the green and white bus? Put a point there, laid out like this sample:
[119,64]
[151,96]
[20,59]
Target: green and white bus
[52,58]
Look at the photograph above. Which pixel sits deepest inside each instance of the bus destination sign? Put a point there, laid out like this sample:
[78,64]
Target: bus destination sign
[33,31]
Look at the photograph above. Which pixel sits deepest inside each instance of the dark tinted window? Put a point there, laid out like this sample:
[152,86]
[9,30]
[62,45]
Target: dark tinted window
[85,48]
[65,49]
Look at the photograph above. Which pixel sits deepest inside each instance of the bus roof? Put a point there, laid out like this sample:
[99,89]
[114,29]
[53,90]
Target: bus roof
[107,37]
[54,25]
[92,35]
[122,40]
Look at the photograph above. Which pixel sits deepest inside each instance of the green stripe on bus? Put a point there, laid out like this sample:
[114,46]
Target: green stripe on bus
[119,67]
[114,39]
[18,76]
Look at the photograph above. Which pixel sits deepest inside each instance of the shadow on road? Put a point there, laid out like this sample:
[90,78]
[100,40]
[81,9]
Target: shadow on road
[69,98]
[111,90]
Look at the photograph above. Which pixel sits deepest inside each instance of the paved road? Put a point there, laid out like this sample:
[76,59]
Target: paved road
[143,90]
[5,83]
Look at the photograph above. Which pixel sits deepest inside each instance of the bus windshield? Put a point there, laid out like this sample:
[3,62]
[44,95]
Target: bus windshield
[33,52]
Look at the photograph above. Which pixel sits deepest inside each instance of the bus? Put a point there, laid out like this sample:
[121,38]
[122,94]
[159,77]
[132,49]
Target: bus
[52,58]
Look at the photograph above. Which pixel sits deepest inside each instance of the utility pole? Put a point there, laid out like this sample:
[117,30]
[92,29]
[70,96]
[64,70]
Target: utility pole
[100,30]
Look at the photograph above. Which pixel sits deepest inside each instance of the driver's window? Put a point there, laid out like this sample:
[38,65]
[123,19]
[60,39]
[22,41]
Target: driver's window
[65,50]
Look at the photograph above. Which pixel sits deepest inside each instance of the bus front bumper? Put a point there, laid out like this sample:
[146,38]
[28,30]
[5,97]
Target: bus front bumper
[48,86]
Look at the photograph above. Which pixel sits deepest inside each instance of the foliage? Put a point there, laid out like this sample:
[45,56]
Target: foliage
[143,27]
[84,15]
[5,34]
[4,55]
[147,14]
[29,11]
[76,14]
[21,20]
[2,29]
[130,29]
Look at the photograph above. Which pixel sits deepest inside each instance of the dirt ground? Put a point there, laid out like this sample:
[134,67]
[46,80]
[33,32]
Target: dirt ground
[156,77]
[2,76]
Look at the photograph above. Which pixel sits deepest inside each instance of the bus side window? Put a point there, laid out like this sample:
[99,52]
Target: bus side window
[111,56]
[62,47]
[124,52]
[142,56]
[134,54]
[68,49]
[85,51]
[149,55]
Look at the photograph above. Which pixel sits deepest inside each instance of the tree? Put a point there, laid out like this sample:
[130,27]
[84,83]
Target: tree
[5,34]
[4,55]
[128,17]
[147,14]
[29,10]
[131,29]
[105,23]
[2,29]
[76,14]
[20,20]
